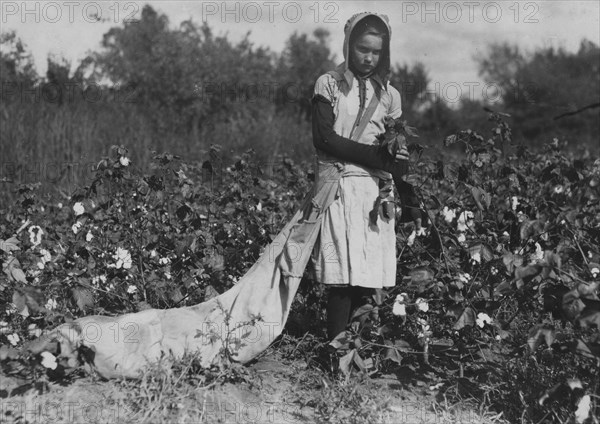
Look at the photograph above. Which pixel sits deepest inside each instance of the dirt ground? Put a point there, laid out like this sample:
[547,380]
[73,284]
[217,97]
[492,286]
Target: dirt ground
[274,394]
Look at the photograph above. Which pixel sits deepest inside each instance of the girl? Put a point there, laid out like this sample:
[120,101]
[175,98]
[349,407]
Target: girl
[355,251]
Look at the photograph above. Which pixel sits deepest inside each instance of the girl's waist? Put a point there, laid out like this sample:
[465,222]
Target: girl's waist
[349,169]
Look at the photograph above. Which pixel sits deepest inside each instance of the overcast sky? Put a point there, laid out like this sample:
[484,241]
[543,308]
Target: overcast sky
[444,35]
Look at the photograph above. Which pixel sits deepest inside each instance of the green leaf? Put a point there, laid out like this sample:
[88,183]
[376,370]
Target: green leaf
[28,300]
[484,251]
[392,353]
[467,318]
[341,341]
[572,304]
[530,229]
[346,362]
[8,352]
[483,200]
[362,313]
[589,318]
[175,295]
[18,275]
[83,297]
[511,261]
[210,292]
[9,245]
[421,277]
[526,273]
[19,301]
[539,333]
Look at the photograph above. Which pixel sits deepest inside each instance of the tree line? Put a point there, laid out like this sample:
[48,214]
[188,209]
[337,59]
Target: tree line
[185,88]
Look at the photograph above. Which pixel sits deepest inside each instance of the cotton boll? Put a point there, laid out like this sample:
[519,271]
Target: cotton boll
[49,360]
[78,209]
[483,319]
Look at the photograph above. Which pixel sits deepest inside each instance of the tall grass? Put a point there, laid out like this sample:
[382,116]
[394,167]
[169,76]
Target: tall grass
[59,145]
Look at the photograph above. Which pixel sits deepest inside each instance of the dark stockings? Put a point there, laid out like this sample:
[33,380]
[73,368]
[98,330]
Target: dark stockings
[341,302]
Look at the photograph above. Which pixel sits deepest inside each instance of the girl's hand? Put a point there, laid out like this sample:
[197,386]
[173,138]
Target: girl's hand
[402,153]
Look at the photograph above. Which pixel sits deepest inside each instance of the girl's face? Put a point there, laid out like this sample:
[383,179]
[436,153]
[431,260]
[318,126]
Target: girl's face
[365,52]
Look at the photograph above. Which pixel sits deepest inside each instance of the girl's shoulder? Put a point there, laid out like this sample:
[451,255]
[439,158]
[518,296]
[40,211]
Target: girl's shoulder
[327,85]
[393,91]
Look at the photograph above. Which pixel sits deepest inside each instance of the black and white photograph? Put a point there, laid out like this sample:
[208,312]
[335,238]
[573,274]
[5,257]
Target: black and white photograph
[369,212]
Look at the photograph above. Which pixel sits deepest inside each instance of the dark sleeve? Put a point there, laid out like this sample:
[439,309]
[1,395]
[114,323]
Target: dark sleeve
[409,201]
[326,139]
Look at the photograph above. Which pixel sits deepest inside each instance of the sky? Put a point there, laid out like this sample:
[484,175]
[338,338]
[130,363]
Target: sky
[445,36]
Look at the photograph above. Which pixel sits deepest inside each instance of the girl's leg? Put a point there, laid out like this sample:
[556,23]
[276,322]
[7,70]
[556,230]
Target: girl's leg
[358,296]
[339,304]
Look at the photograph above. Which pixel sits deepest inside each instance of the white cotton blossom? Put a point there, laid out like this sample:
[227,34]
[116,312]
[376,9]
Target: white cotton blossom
[89,236]
[461,238]
[124,161]
[399,308]
[13,338]
[483,319]
[425,329]
[259,207]
[422,305]
[583,409]
[465,220]
[46,257]
[164,261]
[132,289]
[559,189]
[514,202]
[595,272]
[78,209]
[476,257]
[49,360]
[449,214]
[99,279]
[51,304]
[34,331]
[464,277]
[76,227]
[411,238]
[35,234]
[123,258]
[539,253]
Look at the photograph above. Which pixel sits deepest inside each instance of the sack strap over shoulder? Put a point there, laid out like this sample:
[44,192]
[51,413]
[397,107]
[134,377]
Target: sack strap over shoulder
[362,119]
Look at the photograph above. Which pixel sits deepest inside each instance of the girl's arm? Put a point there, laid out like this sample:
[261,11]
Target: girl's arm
[326,139]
